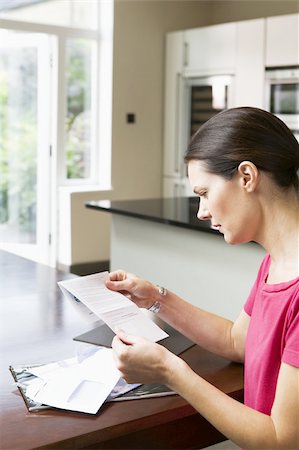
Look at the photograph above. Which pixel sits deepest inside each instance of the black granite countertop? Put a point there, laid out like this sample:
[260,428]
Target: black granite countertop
[178,211]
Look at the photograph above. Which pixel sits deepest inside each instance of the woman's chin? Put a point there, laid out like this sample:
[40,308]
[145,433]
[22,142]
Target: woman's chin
[233,240]
[228,240]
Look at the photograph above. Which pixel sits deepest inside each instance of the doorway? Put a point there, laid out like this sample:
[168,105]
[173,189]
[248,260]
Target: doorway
[25,143]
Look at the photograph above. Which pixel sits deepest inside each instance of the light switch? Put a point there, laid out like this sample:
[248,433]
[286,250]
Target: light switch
[131,118]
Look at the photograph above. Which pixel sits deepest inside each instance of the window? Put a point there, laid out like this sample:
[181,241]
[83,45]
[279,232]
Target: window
[55,106]
[24,143]
[80,115]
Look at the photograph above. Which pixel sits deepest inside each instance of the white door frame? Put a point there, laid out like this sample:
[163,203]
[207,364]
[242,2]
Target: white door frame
[39,251]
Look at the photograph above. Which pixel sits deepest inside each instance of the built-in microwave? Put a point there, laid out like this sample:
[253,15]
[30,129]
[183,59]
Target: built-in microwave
[282,95]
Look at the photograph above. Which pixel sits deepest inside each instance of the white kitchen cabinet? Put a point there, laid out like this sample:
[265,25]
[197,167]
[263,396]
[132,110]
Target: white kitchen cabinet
[250,64]
[172,110]
[242,51]
[172,187]
[177,187]
[282,40]
[217,47]
[210,49]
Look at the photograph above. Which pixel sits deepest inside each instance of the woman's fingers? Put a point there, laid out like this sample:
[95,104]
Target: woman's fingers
[117,275]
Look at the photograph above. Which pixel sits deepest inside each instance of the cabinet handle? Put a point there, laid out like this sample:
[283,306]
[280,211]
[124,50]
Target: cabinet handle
[186,54]
[177,124]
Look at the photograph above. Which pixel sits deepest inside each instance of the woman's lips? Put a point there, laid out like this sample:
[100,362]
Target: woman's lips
[216,227]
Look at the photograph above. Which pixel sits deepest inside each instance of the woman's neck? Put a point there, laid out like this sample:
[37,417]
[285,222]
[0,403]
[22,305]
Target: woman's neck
[280,237]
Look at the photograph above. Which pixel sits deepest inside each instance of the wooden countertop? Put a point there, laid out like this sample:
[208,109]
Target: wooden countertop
[37,325]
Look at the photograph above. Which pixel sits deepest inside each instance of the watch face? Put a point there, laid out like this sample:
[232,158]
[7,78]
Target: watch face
[162,290]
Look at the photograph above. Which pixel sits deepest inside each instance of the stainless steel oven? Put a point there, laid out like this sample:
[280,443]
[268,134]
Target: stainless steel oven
[282,95]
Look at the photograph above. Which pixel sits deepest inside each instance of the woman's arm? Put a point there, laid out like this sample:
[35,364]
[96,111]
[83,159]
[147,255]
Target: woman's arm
[246,427]
[142,361]
[217,334]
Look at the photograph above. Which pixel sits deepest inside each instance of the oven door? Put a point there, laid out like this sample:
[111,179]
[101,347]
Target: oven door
[206,96]
[282,96]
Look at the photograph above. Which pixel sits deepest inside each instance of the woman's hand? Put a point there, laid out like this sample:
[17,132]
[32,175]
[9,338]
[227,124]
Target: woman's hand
[142,361]
[142,292]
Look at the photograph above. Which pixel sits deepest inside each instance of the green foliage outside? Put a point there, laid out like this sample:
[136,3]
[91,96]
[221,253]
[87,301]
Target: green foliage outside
[18,129]
[78,108]
[3,149]
[18,139]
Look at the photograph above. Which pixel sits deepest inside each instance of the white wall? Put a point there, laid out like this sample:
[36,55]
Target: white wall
[83,234]
[138,86]
[230,11]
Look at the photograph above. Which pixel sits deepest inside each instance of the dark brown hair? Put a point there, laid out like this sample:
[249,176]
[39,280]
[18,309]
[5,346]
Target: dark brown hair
[247,134]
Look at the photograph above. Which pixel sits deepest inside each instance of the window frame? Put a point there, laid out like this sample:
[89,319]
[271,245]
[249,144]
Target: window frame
[102,152]
[100,157]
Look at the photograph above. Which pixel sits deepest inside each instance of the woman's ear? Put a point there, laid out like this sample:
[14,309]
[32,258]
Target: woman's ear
[248,175]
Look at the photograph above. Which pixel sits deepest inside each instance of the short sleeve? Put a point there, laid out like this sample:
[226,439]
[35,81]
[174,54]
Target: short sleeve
[291,343]
[260,279]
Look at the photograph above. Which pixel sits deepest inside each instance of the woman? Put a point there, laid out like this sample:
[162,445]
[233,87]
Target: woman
[243,165]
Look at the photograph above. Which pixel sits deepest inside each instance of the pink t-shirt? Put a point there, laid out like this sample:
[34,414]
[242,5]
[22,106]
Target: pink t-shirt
[272,338]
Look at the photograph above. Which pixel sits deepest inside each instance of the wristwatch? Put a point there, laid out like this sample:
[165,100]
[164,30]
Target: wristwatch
[156,306]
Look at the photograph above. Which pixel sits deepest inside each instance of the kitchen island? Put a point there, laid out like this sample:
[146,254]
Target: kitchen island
[163,241]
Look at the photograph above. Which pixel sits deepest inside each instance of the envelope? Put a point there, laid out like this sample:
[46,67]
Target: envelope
[75,385]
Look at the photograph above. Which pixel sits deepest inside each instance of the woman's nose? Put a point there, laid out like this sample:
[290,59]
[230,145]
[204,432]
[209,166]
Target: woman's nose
[203,212]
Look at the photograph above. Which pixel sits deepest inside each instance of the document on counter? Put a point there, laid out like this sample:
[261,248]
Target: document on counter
[75,384]
[82,383]
[114,308]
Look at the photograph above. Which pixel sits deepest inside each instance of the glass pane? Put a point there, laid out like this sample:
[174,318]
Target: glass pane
[68,13]
[78,108]
[18,142]
[206,101]
[285,98]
